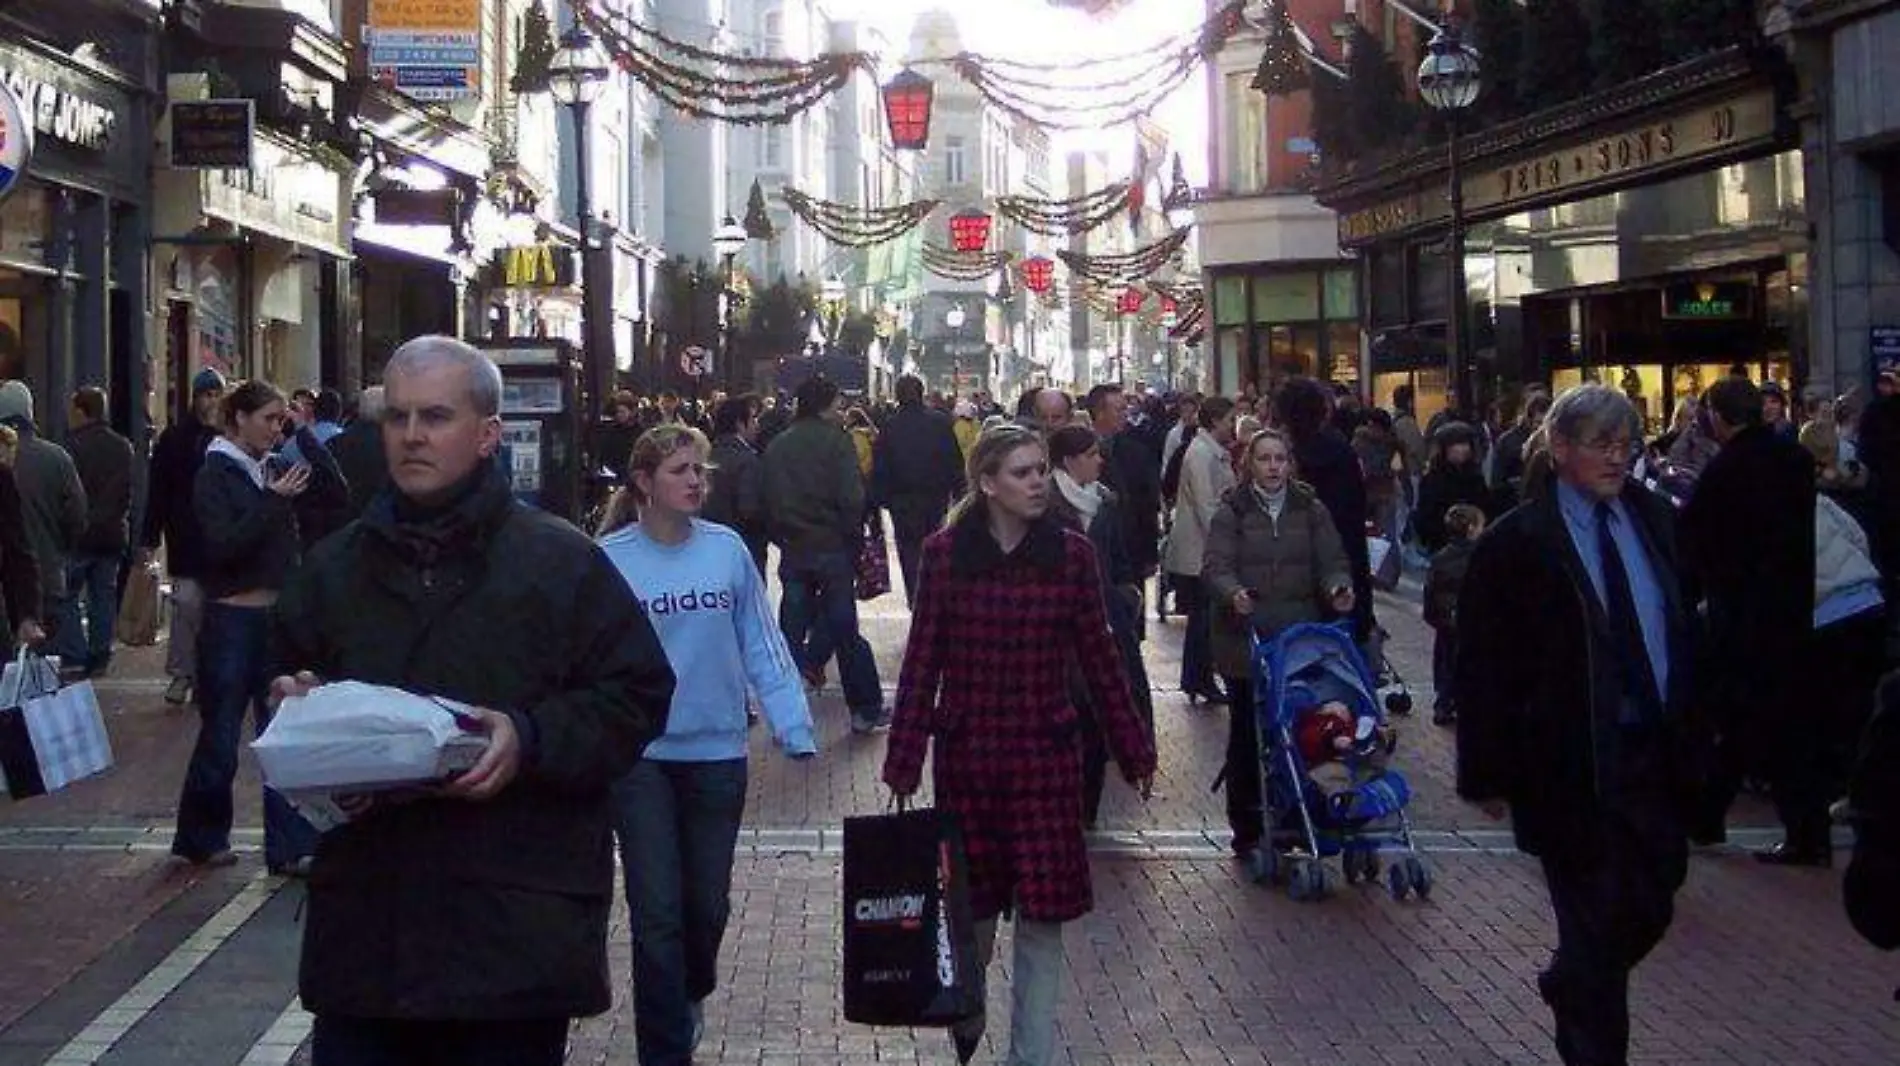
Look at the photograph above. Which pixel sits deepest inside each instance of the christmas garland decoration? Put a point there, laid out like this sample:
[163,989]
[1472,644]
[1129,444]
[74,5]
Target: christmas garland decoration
[855,227]
[758,91]
[1057,218]
[1282,69]
[963,266]
[1128,267]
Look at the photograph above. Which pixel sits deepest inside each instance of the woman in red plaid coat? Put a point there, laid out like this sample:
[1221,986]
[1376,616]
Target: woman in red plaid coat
[1007,599]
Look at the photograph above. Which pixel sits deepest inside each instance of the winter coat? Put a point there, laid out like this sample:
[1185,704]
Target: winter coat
[1444,581]
[1843,556]
[737,496]
[1379,452]
[361,460]
[1538,695]
[1121,589]
[985,677]
[1290,566]
[323,507]
[1326,462]
[1131,471]
[169,516]
[917,464]
[19,571]
[1748,542]
[53,503]
[814,495]
[1444,487]
[250,533]
[104,461]
[1206,475]
[444,909]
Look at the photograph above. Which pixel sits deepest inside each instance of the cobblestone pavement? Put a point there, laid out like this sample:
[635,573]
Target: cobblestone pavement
[115,955]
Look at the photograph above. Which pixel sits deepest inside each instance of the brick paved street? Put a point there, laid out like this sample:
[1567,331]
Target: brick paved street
[115,955]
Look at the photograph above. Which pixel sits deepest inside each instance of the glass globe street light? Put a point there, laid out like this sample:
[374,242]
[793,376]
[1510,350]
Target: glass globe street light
[1449,80]
[576,75]
[954,318]
[727,242]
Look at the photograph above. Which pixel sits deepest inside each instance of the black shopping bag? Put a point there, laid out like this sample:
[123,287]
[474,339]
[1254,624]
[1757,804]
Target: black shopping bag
[909,941]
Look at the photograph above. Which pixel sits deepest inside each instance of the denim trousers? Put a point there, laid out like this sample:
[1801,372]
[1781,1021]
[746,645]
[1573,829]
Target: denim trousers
[819,614]
[678,825]
[341,1041]
[233,677]
[1037,965]
[96,579]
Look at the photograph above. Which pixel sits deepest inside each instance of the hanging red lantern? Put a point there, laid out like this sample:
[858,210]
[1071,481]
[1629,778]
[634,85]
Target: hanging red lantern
[908,99]
[1170,311]
[1039,274]
[969,231]
[1130,302]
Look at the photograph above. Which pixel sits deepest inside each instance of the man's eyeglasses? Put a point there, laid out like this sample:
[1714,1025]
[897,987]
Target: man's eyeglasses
[1608,449]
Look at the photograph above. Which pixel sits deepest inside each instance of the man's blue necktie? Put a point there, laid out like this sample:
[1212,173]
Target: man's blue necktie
[1626,626]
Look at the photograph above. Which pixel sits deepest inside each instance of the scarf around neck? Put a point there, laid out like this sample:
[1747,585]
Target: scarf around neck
[1086,499]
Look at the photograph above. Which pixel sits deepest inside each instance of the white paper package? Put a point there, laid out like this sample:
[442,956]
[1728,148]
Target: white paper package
[352,737]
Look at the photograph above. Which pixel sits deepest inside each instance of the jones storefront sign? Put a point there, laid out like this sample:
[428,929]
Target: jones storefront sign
[60,113]
[16,141]
[1579,169]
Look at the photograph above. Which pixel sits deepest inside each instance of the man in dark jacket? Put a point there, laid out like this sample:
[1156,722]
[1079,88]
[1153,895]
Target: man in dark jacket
[737,497]
[1748,538]
[104,461]
[359,453]
[814,501]
[1574,689]
[169,518]
[916,472]
[470,926]
[52,500]
[1131,470]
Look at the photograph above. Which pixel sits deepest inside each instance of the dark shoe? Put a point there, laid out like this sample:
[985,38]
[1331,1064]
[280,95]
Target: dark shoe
[1444,716]
[874,722]
[966,1046]
[1786,854]
[179,691]
[296,869]
[215,860]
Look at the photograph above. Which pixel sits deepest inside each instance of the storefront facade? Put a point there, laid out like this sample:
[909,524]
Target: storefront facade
[73,262]
[1652,237]
[1272,321]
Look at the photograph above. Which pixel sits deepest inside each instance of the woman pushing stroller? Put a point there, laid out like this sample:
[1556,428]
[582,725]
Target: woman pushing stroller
[1274,559]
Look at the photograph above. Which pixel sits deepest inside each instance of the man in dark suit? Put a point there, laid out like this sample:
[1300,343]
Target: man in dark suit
[916,472]
[1574,687]
[1748,540]
[1132,471]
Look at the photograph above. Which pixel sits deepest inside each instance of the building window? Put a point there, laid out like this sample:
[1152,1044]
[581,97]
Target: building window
[954,164]
[1245,154]
[773,31]
[772,148]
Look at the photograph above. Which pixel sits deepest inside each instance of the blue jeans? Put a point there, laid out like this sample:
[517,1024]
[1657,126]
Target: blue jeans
[96,577]
[821,591]
[678,824]
[233,677]
[341,1041]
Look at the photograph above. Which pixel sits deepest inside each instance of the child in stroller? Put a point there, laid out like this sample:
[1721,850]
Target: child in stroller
[1346,753]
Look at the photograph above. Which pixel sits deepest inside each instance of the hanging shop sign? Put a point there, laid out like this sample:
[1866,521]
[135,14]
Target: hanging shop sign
[213,134]
[1708,301]
[1884,345]
[535,266]
[16,141]
[426,49]
[1639,152]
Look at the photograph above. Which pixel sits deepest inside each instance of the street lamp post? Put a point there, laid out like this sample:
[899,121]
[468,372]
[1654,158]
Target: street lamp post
[954,318]
[576,75]
[832,294]
[727,241]
[1448,80]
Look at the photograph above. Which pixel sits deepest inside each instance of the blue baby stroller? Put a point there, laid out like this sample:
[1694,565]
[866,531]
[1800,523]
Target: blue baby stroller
[1305,667]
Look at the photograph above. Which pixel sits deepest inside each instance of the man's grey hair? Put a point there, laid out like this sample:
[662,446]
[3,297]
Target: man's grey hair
[1589,413]
[369,403]
[484,378]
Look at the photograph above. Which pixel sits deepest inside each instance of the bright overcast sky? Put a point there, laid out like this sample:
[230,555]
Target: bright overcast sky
[1030,32]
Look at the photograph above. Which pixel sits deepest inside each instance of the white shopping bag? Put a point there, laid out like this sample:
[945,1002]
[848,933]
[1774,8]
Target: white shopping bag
[50,736]
[353,737]
[1383,562]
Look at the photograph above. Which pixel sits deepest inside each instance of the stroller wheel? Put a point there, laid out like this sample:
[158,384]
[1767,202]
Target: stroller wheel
[1398,703]
[1263,864]
[1306,880]
[1420,877]
[1399,879]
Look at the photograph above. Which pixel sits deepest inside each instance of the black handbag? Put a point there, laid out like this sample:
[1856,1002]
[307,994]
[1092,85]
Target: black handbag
[910,955]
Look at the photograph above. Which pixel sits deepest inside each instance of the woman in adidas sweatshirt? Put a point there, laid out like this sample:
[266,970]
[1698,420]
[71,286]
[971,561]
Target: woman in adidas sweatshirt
[678,812]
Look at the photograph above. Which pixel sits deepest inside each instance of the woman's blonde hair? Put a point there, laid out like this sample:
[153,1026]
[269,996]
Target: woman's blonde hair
[9,445]
[653,447]
[992,446]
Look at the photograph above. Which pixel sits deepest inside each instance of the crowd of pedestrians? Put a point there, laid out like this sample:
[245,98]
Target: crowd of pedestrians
[1628,631]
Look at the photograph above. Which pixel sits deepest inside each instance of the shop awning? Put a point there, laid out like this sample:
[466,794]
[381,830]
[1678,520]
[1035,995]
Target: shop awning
[421,242]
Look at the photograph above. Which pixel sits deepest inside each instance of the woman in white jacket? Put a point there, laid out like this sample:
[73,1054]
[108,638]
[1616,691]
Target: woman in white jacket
[1850,631]
[1207,473]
